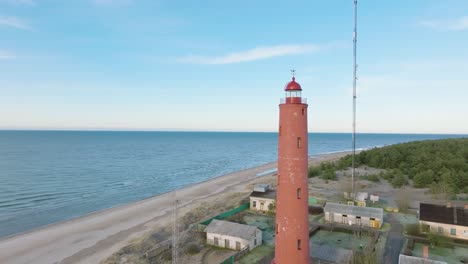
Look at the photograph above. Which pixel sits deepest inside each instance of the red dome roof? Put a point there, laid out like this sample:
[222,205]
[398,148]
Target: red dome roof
[293,86]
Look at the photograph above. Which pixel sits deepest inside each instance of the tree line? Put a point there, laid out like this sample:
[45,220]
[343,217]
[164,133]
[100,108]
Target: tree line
[438,164]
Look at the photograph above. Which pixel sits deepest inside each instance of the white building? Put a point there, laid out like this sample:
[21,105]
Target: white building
[353,215]
[262,201]
[233,235]
[415,260]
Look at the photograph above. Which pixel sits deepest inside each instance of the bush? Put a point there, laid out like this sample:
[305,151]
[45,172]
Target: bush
[398,180]
[413,229]
[328,175]
[192,249]
[373,178]
[314,171]
[315,210]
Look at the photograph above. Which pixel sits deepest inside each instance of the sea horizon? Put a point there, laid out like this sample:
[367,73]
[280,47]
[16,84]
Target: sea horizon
[220,131]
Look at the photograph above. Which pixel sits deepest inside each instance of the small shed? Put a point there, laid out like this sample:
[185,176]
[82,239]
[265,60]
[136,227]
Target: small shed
[261,187]
[233,235]
[353,215]
[262,201]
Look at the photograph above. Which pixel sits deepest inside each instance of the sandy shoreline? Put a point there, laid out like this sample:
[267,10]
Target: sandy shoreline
[94,237]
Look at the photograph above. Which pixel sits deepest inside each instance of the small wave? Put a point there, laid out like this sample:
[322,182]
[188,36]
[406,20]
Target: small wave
[263,173]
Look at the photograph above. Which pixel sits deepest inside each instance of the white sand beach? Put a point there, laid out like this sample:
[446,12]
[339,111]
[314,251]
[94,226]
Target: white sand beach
[94,237]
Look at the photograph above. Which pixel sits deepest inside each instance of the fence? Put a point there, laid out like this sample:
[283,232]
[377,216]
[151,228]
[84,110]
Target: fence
[224,215]
[236,256]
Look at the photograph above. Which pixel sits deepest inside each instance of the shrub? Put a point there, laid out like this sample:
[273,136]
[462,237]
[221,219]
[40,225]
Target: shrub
[412,229]
[314,171]
[192,249]
[373,178]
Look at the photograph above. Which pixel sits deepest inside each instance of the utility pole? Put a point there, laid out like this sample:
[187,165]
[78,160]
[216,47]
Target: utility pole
[354,97]
[175,230]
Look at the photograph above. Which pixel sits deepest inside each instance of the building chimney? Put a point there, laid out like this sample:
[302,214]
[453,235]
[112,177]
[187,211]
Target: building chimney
[425,252]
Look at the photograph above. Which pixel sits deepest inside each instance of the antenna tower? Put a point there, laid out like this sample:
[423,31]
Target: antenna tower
[354,97]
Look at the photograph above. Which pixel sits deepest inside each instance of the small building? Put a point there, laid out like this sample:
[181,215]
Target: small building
[262,201]
[447,220]
[323,254]
[261,187]
[361,198]
[233,235]
[403,259]
[374,198]
[353,215]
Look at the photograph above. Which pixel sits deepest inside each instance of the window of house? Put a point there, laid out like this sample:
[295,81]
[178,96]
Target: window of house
[344,219]
[358,220]
[299,142]
[440,230]
[299,244]
[298,193]
[453,231]
[254,204]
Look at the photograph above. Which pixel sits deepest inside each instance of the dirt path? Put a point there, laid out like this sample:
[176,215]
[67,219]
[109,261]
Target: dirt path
[395,241]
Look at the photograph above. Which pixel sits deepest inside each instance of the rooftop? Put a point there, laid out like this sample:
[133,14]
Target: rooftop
[415,260]
[261,187]
[354,210]
[270,194]
[443,214]
[231,229]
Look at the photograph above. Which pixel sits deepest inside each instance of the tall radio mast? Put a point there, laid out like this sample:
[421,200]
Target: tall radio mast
[354,96]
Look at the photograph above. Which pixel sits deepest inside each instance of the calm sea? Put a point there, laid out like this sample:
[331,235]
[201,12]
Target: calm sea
[49,176]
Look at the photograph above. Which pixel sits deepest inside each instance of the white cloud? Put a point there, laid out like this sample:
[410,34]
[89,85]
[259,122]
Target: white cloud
[458,24]
[4,55]
[258,53]
[15,22]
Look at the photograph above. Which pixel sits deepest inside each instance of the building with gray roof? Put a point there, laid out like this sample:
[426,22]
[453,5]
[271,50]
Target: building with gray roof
[353,215]
[233,235]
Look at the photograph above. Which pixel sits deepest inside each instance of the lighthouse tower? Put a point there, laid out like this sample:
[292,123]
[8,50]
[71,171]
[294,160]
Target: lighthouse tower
[292,225]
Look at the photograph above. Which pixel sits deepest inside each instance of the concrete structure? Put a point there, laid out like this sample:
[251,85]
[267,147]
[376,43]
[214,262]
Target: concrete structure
[353,215]
[403,259]
[322,254]
[292,222]
[447,220]
[262,201]
[261,187]
[232,235]
[374,198]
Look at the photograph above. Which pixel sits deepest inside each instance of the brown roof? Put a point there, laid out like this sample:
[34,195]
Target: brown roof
[443,214]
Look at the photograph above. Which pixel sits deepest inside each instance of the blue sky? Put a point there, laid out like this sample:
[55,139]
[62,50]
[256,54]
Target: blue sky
[222,65]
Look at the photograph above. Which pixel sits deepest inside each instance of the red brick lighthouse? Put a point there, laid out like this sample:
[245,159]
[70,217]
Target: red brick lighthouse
[292,225]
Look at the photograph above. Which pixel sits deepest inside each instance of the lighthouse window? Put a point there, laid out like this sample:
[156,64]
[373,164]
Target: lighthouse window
[277,229]
[299,142]
[298,193]
[279,132]
[299,244]
[303,110]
